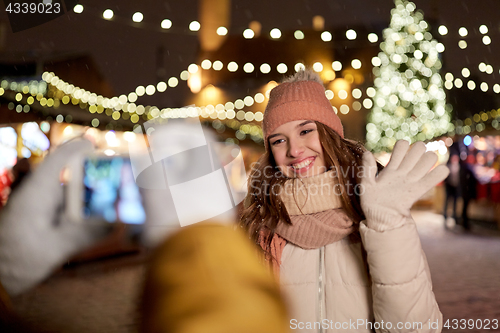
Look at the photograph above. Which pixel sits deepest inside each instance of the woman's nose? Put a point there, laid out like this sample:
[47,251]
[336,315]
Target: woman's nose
[295,148]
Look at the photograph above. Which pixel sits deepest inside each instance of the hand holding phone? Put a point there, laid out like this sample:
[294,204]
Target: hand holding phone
[35,234]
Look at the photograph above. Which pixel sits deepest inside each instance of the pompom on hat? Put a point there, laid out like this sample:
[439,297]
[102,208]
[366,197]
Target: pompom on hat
[300,97]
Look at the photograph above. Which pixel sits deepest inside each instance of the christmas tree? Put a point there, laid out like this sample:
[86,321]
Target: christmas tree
[409,101]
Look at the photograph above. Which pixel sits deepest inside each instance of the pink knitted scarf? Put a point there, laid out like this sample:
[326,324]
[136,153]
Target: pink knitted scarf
[316,214]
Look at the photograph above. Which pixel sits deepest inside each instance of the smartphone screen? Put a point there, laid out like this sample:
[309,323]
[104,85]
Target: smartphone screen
[110,192]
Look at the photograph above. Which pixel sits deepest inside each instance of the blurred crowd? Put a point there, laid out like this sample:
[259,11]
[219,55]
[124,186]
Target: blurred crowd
[474,165]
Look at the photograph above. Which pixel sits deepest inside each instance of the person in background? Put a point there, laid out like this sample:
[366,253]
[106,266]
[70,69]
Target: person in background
[10,180]
[5,181]
[19,171]
[468,183]
[482,171]
[452,187]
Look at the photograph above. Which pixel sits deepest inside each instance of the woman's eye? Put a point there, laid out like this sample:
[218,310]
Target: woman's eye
[277,142]
[304,132]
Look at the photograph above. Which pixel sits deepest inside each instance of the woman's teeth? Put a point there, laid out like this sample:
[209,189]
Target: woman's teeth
[302,164]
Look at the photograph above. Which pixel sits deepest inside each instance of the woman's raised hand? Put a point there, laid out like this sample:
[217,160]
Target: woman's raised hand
[401,183]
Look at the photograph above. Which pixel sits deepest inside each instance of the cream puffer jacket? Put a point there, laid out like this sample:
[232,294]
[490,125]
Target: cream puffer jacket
[331,289]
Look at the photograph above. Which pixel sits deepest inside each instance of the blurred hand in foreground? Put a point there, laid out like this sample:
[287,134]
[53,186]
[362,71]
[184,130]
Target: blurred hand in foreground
[35,235]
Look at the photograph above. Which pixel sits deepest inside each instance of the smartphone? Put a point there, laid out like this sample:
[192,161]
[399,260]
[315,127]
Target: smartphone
[103,189]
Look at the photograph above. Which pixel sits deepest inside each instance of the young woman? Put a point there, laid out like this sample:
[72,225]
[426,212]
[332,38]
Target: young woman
[336,231]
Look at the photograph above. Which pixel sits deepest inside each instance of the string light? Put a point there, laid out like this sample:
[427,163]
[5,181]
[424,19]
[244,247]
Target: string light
[356,93]
[193,68]
[217,65]
[184,75]
[248,33]
[326,36]
[173,82]
[282,68]
[166,24]
[108,14]
[356,64]
[372,37]
[248,68]
[232,66]
[317,67]
[443,30]
[78,9]
[299,66]
[137,17]
[194,26]
[351,34]
[337,66]
[265,68]
[298,34]
[205,64]
[275,33]
[140,90]
[150,90]
[222,31]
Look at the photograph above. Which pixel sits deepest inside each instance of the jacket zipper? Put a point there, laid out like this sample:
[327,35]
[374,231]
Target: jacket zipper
[321,288]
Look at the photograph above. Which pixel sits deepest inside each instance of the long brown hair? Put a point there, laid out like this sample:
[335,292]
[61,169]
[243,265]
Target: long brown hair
[264,208]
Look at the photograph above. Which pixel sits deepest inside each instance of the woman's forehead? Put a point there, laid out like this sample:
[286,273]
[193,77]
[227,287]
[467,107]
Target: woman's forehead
[292,125]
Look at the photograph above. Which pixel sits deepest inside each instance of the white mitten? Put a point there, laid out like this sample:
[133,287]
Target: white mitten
[386,198]
[35,236]
[172,184]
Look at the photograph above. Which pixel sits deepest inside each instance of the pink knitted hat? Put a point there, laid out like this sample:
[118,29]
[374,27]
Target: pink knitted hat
[296,101]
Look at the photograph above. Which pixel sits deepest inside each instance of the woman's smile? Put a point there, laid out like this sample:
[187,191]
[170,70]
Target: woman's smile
[303,165]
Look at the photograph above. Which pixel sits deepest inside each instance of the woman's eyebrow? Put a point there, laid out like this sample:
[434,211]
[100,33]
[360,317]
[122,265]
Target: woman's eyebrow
[273,135]
[299,125]
[304,123]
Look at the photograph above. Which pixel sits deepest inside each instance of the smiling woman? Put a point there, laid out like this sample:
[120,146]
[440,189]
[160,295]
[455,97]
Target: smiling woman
[333,225]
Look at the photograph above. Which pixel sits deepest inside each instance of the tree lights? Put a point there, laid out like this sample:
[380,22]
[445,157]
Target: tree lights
[409,102]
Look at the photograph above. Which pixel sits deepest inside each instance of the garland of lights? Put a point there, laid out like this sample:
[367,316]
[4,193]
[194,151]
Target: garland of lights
[275,33]
[478,122]
[103,103]
[113,107]
[195,26]
[126,103]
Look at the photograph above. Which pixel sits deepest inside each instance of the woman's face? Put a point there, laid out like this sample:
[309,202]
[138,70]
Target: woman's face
[297,150]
